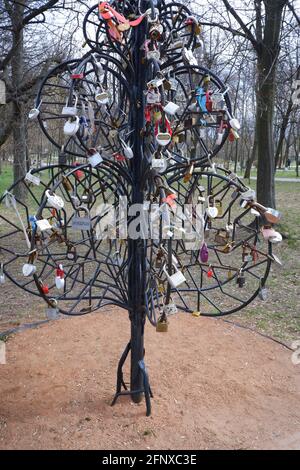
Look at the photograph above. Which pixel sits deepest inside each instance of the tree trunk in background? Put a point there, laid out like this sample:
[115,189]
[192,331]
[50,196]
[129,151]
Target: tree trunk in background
[266,65]
[250,161]
[19,132]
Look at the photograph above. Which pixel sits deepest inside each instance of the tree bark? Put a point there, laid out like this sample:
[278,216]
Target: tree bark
[265,94]
[17,70]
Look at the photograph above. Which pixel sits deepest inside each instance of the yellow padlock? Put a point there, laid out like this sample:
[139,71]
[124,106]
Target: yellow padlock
[196,314]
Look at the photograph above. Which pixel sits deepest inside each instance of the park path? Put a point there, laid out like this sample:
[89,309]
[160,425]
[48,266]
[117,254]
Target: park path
[216,386]
[281,180]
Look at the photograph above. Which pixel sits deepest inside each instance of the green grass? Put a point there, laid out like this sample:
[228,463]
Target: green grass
[6,178]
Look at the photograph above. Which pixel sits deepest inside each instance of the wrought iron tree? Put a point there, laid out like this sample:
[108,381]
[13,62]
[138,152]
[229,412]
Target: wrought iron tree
[137,119]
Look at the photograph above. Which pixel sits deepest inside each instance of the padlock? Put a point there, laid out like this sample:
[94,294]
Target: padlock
[52,311]
[2,275]
[196,314]
[54,201]
[153,96]
[222,237]
[188,57]
[246,256]
[210,272]
[70,110]
[60,277]
[30,178]
[159,164]
[263,293]
[87,197]
[188,175]
[204,253]
[43,225]
[95,158]
[175,280]
[81,223]
[227,248]
[171,108]
[229,275]
[128,152]
[193,25]
[102,96]
[67,184]
[219,206]
[162,324]
[71,127]
[156,31]
[241,280]
[164,138]
[71,252]
[170,309]
[153,54]
[44,288]
[212,211]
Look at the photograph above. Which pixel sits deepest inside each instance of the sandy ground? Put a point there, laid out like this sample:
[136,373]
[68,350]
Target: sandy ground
[216,387]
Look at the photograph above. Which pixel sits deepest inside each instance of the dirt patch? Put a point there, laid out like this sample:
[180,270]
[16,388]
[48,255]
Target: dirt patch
[215,386]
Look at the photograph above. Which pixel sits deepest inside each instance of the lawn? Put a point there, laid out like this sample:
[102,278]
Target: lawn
[279,316]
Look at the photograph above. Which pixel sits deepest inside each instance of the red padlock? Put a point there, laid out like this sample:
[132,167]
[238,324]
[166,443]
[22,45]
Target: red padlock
[45,289]
[210,273]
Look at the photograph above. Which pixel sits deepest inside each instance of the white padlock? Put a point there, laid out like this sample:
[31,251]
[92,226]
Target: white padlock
[32,179]
[70,110]
[43,225]
[128,152]
[102,97]
[28,269]
[153,96]
[159,164]
[95,159]
[163,138]
[175,280]
[71,127]
[171,108]
[54,201]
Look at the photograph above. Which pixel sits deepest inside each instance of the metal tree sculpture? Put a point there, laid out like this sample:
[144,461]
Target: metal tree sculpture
[137,122]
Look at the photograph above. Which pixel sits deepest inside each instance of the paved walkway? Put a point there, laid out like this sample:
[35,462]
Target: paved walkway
[281,180]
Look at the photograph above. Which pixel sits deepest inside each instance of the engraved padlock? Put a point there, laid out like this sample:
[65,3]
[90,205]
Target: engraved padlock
[175,280]
[81,223]
[162,324]
[52,311]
